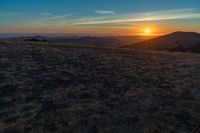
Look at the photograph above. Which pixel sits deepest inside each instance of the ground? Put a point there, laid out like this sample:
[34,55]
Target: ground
[57,88]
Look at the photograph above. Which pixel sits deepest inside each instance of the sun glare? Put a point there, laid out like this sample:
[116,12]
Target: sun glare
[147,31]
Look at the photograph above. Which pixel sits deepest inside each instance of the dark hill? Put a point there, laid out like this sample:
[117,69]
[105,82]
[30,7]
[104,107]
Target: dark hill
[177,41]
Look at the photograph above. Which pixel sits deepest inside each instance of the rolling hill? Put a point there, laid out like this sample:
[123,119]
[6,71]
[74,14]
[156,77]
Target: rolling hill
[177,41]
[107,41]
[75,89]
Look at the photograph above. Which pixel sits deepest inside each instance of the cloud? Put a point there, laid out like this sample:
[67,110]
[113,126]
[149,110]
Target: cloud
[48,21]
[104,12]
[58,16]
[47,15]
[174,14]
[114,21]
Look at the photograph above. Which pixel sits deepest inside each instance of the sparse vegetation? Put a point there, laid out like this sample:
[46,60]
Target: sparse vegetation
[58,88]
[35,40]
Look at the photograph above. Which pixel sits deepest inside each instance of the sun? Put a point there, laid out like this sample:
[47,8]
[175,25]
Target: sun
[147,31]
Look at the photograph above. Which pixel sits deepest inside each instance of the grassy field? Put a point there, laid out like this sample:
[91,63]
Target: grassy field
[57,88]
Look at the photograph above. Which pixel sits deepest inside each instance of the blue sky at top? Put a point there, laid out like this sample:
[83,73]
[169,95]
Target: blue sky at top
[77,16]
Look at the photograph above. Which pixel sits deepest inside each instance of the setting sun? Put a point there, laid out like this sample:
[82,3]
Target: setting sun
[148,31]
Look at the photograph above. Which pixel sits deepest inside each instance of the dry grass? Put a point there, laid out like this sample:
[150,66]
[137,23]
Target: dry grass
[79,89]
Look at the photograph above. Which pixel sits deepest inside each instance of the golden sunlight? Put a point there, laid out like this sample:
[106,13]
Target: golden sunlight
[147,31]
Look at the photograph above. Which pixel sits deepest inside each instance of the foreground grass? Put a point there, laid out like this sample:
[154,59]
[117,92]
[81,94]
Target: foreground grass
[78,89]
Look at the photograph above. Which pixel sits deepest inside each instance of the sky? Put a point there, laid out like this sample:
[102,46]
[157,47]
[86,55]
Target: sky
[99,17]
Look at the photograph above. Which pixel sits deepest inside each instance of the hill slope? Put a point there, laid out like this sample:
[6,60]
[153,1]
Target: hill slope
[177,41]
[63,88]
[110,41]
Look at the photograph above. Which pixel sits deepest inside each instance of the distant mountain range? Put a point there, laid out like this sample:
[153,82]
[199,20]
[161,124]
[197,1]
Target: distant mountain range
[112,41]
[177,41]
